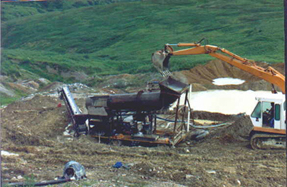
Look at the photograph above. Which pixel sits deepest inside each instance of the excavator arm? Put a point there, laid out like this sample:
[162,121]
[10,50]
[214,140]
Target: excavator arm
[161,61]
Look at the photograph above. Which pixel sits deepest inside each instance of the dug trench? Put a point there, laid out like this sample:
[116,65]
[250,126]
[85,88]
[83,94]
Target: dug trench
[33,129]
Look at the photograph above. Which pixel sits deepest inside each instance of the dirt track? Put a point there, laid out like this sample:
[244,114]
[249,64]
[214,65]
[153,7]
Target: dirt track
[34,130]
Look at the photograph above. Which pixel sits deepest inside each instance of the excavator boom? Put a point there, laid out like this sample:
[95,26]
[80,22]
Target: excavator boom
[160,60]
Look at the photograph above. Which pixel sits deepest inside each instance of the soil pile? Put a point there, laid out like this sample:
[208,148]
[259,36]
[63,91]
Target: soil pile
[33,122]
[213,116]
[202,76]
[239,130]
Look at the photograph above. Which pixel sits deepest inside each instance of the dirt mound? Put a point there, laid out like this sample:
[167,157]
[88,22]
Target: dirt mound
[38,102]
[204,75]
[213,116]
[240,129]
[32,122]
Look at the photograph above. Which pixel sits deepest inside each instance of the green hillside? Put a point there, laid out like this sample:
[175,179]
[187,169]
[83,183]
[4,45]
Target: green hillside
[14,10]
[103,38]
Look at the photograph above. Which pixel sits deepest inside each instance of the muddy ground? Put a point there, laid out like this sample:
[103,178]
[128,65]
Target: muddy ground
[34,128]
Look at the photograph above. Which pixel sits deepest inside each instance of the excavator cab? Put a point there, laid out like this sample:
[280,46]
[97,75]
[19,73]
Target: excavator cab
[264,113]
[268,118]
[269,112]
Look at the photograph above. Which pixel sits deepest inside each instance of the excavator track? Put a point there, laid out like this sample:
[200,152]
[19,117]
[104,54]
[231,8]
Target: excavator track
[268,141]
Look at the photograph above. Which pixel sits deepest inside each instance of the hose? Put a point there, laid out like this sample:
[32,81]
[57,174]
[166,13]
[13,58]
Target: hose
[44,183]
[198,127]
[211,126]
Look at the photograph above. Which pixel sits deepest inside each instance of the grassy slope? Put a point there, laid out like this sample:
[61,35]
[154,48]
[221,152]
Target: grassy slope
[120,37]
[12,10]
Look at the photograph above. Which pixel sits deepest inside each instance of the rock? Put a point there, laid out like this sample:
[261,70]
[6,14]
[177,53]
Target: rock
[43,81]
[188,176]
[202,135]
[131,164]
[3,78]
[33,84]
[238,182]
[230,169]
[19,177]
[7,154]
[52,70]
[74,74]
[144,177]
[211,171]
[199,134]
[4,90]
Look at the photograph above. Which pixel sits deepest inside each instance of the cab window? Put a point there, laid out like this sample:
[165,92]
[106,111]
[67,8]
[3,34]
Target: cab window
[257,111]
[267,107]
[277,112]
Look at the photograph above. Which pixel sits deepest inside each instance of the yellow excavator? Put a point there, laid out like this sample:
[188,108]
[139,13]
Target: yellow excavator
[268,116]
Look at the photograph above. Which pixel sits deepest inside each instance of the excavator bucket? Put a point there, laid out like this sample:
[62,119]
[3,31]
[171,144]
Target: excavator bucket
[160,60]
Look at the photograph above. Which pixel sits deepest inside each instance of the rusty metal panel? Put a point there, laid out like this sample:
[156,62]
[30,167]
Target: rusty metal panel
[173,86]
[98,101]
[99,111]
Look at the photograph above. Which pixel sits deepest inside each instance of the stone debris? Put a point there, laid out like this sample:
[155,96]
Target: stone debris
[6,153]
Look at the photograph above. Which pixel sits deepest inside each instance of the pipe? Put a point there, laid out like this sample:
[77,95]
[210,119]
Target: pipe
[44,183]
[198,127]
[188,114]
